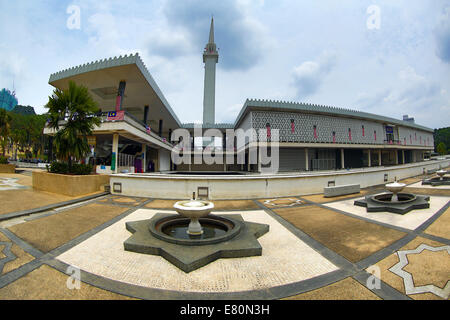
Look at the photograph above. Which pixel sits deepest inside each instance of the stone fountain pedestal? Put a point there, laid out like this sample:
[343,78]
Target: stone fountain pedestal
[194,238]
[394,201]
[194,210]
[440,180]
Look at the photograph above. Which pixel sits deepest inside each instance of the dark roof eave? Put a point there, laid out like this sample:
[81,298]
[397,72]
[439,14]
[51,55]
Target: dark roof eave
[115,62]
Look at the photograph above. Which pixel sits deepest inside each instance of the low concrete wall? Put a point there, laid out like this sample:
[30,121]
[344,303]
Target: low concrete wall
[168,186]
[69,185]
[7,168]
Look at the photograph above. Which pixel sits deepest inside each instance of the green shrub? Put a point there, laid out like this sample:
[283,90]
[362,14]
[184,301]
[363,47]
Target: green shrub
[58,167]
[81,169]
[63,168]
[3,160]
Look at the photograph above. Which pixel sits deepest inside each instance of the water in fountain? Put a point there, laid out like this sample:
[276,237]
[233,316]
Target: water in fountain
[209,230]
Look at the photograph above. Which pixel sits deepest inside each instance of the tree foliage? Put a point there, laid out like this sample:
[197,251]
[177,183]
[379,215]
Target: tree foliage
[26,132]
[442,135]
[5,124]
[441,149]
[72,113]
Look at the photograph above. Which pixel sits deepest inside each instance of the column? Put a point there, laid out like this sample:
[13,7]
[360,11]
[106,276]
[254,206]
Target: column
[342,159]
[144,157]
[306,159]
[115,153]
[120,94]
[396,157]
[146,108]
[259,160]
[379,157]
[403,156]
[160,127]
[370,160]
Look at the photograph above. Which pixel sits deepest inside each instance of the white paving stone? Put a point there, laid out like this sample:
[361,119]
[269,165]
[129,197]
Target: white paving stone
[426,186]
[10,184]
[285,259]
[410,220]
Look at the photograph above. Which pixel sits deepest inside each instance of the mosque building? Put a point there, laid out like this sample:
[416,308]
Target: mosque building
[138,122]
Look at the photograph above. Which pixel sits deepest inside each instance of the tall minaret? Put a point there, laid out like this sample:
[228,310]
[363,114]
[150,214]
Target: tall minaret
[210,58]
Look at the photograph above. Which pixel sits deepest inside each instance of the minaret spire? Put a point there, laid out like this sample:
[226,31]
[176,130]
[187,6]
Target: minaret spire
[210,58]
[211,31]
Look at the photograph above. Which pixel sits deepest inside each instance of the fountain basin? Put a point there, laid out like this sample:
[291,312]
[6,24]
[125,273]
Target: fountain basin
[441,173]
[174,229]
[191,254]
[387,198]
[193,208]
[440,180]
[383,203]
[395,187]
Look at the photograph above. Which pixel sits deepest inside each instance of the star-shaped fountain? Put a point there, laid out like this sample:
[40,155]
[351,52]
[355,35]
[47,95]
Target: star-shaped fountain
[241,241]
[394,201]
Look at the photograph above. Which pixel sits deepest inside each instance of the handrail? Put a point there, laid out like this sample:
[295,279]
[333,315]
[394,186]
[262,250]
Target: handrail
[138,125]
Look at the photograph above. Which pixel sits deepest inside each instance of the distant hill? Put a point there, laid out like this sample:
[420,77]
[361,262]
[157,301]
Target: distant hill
[25,110]
[442,135]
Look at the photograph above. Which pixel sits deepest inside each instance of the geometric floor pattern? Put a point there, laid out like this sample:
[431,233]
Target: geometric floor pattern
[411,220]
[285,259]
[5,254]
[282,202]
[10,184]
[297,262]
[408,278]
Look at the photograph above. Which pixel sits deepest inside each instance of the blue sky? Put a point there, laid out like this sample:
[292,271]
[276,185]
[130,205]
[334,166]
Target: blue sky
[321,52]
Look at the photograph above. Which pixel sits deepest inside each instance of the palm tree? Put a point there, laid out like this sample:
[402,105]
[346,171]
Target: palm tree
[72,114]
[5,122]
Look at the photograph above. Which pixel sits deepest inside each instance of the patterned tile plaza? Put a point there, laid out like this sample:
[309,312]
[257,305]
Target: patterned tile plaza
[286,259]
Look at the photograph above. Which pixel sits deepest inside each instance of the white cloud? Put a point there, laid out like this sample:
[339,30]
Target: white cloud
[442,35]
[309,75]
[239,36]
[267,50]
[414,94]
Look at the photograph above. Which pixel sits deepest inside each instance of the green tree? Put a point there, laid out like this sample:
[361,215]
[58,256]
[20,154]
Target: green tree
[18,132]
[72,114]
[441,135]
[5,123]
[441,148]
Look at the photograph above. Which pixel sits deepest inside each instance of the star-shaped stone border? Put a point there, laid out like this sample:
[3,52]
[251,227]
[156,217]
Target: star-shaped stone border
[188,257]
[408,279]
[9,256]
[10,184]
[294,202]
[421,202]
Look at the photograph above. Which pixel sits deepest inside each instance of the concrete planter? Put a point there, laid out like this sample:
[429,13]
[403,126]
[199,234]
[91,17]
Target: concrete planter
[69,185]
[7,168]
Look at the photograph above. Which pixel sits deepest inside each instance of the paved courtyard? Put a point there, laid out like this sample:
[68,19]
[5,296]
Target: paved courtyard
[317,248]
